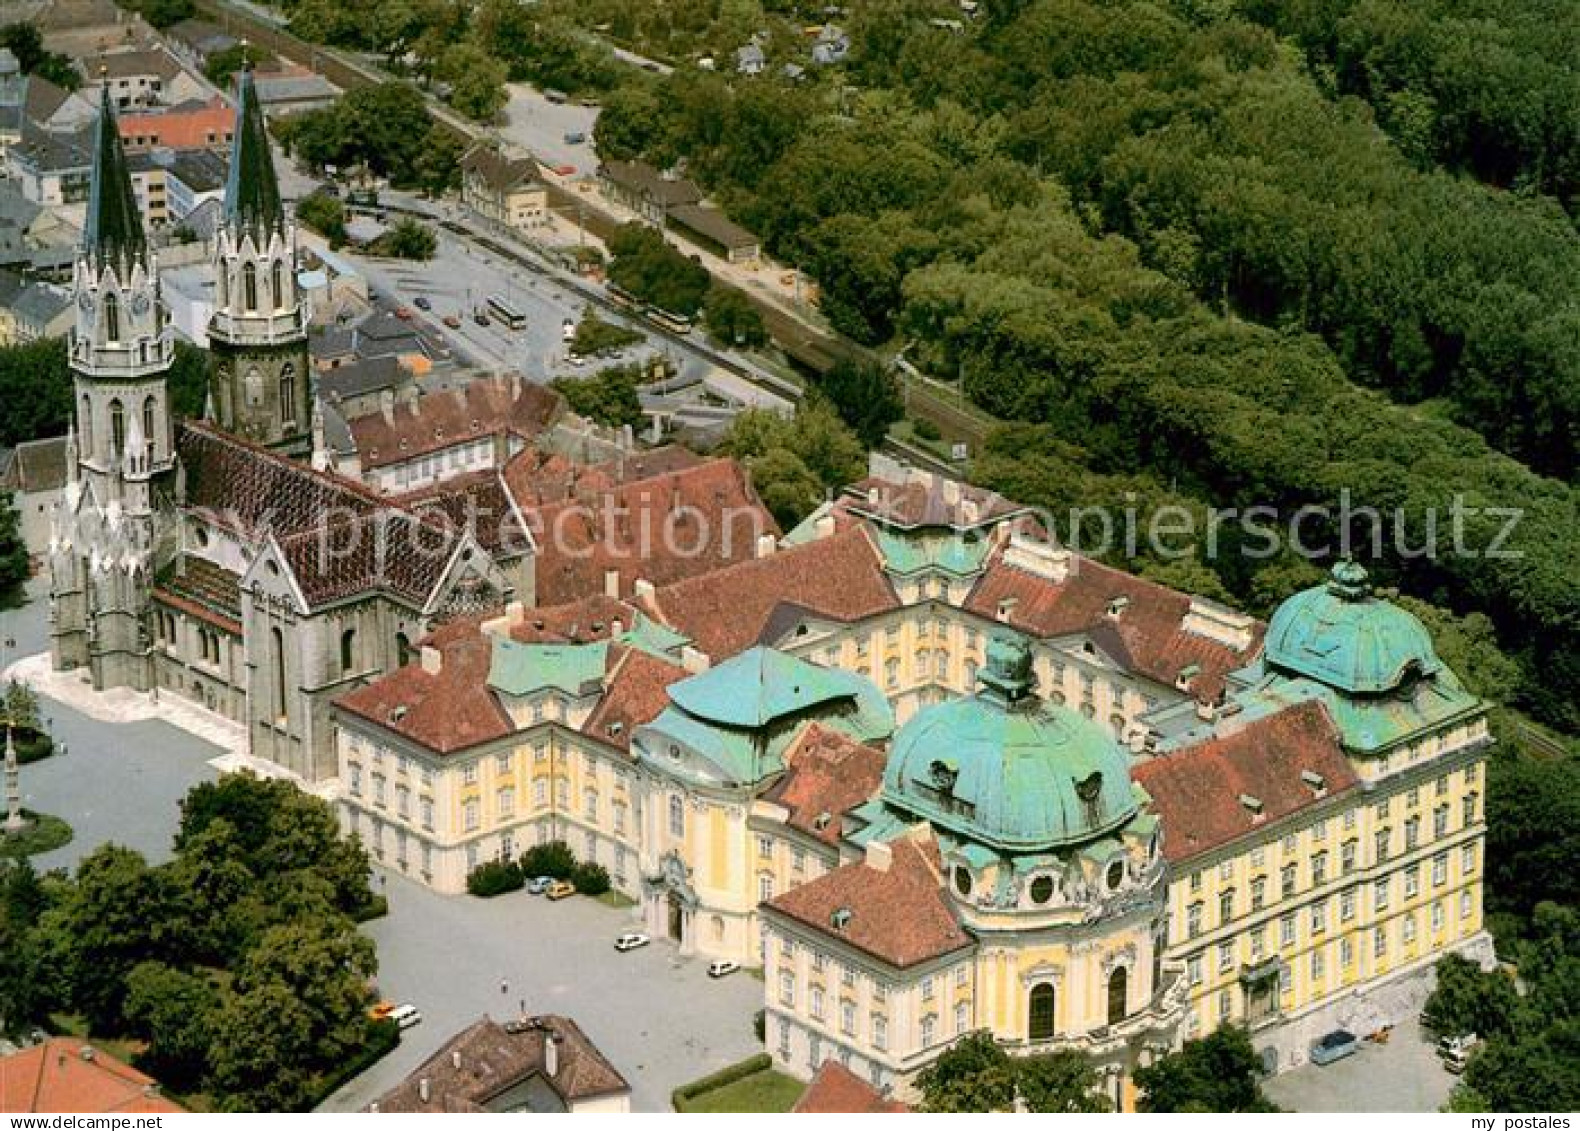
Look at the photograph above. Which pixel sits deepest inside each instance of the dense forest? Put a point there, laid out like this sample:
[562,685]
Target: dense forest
[1150,232]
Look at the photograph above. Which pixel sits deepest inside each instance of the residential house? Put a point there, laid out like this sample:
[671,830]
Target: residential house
[542,1065]
[52,167]
[63,1074]
[290,89]
[832,45]
[750,60]
[35,477]
[506,188]
[194,124]
[143,76]
[42,310]
[197,41]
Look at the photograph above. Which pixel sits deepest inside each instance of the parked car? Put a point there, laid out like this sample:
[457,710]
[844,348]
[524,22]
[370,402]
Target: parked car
[567,331]
[574,137]
[539,884]
[405,1016]
[559,889]
[480,318]
[421,302]
[631,940]
[576,359]
[453,321]
[382,1010]
[403,313]
[723,967]
[1455,1051]
[1335,1046]
[565,170]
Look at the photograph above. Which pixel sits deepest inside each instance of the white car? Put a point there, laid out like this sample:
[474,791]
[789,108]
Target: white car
[631,941]
[405,1015]
[723,968]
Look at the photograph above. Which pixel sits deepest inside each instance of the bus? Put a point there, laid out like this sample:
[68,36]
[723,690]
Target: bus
[622,297]
[502,310]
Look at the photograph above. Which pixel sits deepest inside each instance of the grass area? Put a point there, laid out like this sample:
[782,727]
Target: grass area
[767,1090]
[44,833]
[73,1025]
[612,898]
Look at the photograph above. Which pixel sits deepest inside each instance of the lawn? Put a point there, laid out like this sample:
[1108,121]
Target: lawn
[763,1091]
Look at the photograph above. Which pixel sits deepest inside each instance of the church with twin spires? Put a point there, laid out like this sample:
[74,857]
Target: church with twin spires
[188,555]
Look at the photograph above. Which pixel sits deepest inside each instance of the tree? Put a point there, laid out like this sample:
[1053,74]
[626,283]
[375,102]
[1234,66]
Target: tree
[867,397]
[27,44]
[1063,1081]
[595,336]
[172,1010]
[608,396]
[255,1058]
[494,877]
[795,462]
[162,13]
[325,215]
[1533,832]
[644,264]
[1217,1073]
[407,239]
[476,80]
[1468,999]
[553,859]
[591,878]
[731,318]
[35,387]
[15,565]
[223,65]
[975,1074]
[20,706]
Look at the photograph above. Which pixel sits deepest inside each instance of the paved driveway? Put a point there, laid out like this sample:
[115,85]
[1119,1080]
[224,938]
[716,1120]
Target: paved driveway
[659,1019]
[117,782]
[1403,1075]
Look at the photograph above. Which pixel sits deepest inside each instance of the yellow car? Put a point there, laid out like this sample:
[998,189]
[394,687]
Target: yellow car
[382,1010]
[560,889]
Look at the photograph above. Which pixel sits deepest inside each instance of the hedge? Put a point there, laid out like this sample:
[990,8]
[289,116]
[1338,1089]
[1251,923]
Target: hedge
[748,1067]
[495,877]
[383,1036]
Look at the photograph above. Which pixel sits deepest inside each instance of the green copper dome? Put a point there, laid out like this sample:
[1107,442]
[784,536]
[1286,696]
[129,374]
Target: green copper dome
[1005,769]
[1340,635]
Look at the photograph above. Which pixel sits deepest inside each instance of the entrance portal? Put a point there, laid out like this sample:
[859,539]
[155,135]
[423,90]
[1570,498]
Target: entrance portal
[677,918]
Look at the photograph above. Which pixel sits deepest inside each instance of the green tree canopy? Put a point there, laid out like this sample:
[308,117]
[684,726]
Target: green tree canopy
[1217,1073]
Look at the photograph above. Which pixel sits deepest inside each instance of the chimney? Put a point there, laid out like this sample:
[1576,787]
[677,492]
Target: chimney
[880,855]
[616,628]
[432,660]
[455,1058]
[694,661]
[424,1089]
[642,588]
[387,406]
[611,583]
[766,545]
[551,1054]
[825,526]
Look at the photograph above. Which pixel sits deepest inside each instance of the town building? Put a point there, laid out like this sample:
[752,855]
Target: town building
[716,232]
[62,1074]
[35,474]
[140,76]
[196,124]
[649,193]
[505,188]
[542,1065]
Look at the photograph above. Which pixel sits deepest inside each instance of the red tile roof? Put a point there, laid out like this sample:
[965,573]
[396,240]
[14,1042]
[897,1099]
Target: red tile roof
[1148,636]
[65,1075]
[434,421]
[635,691]
[839,577]
[826,775]
[835,1089]
[899,914]
[1197,791]
[927,500]
[445,711]
[205,125]
[475,502]
[576,622]
[537,478]
[661,528]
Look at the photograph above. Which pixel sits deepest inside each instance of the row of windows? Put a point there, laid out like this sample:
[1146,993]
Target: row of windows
[1381,891]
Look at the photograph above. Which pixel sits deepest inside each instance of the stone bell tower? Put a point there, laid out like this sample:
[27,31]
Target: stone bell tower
[260,383]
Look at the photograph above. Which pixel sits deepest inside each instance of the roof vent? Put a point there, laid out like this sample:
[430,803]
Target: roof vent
[1117,606]
[821,821]
[1006,607]
[616,727]
[1254,804]
[87,1053]
[840,919]
[1315,780]
[398,713]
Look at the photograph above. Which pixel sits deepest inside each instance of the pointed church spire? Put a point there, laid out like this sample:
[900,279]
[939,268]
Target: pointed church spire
[252,195]
[113,233]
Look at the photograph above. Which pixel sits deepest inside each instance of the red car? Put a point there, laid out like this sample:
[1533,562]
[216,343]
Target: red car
[403,313]
[453,321]
[565,170]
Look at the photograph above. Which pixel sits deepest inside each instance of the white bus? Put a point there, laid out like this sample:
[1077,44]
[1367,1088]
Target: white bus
[502,310]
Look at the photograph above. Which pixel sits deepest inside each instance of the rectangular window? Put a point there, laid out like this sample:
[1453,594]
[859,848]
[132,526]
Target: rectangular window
[1258,943]
[1319,831]
[1195,881]
[1349,820]
[502,762]
[880,1032]
[1286,930]
[787,989]
[427,813]
[847,1018]
[1379,942]
[765,847]
[1412,833]
[815,999]
[798,858]
[929,1024]
[1226,870]
[1442,785]
[507,801]
[1380,895]
[1226,906]
[1225,1004]
[1193,969]
[469,774]
[1193,920]
[1440,869]
[1347,857]
[1466,907]
[1225,957]
[1408,929]
[1318,965]
[1346,951]
[765,888]
[1287,881]
[927,989]
[1437,916]
[1258,893]
[1319,869]
[1467,859]
[1440,821]
[1319,917]
[1412,881]
[1258,856]
[469,814]
[1347,906]
[540,792]
[1469,804]
[1382,837]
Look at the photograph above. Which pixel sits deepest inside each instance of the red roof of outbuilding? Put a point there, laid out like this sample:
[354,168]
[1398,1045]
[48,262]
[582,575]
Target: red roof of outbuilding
[66,1075]
[836,1089]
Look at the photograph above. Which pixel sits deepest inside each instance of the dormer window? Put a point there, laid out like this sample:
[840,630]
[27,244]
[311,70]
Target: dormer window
[1253,805]
[1318,783]
[1117,605]
[841,918]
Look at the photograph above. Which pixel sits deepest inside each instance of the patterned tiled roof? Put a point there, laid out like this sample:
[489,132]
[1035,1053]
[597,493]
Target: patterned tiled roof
[1147,634]
[826,775]
[870,899]
[839,577]
[477,503]
[205,590]
[1203,793]
[487,1059]
[537,478]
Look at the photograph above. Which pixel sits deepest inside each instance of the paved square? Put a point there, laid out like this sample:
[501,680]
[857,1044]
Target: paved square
[659,1019]
[1403,1075]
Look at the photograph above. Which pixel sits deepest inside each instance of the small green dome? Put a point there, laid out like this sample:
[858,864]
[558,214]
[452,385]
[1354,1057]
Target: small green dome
[1005,769]
[1342,636]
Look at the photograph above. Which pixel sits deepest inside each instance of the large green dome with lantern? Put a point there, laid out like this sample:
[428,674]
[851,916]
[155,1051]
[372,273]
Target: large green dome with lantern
[1008,770]
[1342,635]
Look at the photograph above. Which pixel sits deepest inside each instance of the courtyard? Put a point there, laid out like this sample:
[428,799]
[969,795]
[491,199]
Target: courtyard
[1402,1075]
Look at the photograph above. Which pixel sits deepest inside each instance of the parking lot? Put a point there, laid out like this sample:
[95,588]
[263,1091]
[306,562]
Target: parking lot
[658,1018]
[1402,1075]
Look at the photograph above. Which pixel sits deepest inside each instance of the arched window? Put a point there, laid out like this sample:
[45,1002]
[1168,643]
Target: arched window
[249,286]
[348,650]
[277,639]
[1041,1009]
[117,427]
[277,285]
[402,649]
[1118,1005]
[112,317]
[288,394]
[150,415]
[254,387]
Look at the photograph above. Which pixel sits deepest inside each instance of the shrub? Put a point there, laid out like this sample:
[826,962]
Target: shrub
[495,877]
[553,859]
[590,878]
[926,430]
[748,1067]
